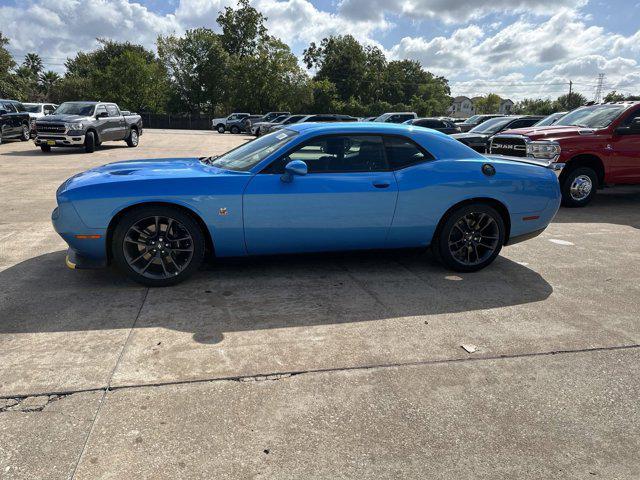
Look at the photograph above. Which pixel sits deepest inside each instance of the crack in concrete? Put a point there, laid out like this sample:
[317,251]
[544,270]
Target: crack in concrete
[33,403]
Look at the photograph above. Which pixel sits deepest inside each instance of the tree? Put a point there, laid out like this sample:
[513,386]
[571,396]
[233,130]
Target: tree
[342,60]
[243,29]
[534,106]
[198,68]
[569,101]
[33,62]
[47,82]
[488,104]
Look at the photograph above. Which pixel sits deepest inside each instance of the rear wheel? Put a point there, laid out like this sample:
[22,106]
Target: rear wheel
[132,139]
[235,130]
[158,246]
[45,148]
[26,133]
[90,142]
[470,239]
[579,187]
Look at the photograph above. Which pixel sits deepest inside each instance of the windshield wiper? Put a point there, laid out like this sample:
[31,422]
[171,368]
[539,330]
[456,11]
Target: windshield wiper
[209,160]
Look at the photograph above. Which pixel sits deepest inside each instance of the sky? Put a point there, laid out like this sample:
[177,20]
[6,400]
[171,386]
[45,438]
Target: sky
[515,48]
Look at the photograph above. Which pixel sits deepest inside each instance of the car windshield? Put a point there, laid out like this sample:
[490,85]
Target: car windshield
[493,125]
[472,120]
[31,107]
[550,120]
[251,153]
[75,109]
[594,116]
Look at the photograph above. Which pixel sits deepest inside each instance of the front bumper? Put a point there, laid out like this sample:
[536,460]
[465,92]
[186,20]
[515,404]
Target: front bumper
[59,140]
[77,261]
[87,246]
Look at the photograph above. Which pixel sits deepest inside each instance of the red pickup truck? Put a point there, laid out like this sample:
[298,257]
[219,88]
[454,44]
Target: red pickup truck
[599,145]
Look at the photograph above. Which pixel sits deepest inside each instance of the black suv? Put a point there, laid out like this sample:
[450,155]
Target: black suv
[14,121]
[479,137]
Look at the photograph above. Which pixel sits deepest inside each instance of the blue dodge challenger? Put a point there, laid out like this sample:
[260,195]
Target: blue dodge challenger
[307,188]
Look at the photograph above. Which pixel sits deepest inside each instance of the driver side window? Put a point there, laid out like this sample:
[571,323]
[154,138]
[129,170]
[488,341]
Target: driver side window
[361,153]
[100,109]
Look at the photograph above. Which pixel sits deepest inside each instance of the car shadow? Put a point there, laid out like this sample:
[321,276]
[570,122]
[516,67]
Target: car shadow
[617,205]
[58,151]
[41,295]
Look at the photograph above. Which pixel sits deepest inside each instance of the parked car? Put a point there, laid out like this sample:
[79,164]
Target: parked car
[550,119]
[600,145]
[14,121]
[249,120]
[440,124]
[227,123]
[307,188]
[476,120]
[257,128]
[320,118]
[267,117]
[286,121]
[395,117]
[37,110]
[87,125]
[478,137]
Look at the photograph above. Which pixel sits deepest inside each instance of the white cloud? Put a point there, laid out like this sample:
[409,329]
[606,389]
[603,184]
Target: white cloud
[451,11]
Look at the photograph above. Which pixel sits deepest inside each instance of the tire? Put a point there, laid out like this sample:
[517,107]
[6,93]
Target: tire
[220,128]
[235,130]
[133,138]
[138,257]
[45,148]
[579,187]
[26,133]
[90,142]
[470,238]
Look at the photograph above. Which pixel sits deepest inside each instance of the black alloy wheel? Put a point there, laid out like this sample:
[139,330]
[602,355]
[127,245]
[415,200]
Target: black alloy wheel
[158,246]
[471,238]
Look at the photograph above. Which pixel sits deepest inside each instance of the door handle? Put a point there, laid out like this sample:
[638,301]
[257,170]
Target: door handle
[381,184]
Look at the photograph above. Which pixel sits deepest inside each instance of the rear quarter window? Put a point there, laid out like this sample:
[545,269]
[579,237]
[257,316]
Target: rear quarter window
[402,152]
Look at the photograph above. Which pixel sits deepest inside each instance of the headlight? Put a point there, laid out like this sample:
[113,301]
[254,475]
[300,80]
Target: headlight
[74,126]
[546,150]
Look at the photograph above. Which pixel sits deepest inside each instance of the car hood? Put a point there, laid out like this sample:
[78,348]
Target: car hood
[471,137]
[137,170]
[550,132]
[64,118]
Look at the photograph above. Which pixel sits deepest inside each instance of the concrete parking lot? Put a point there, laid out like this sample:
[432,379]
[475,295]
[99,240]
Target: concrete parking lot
[330,366]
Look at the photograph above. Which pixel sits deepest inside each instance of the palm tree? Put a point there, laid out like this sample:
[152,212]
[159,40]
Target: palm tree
[47,80]
[34,63]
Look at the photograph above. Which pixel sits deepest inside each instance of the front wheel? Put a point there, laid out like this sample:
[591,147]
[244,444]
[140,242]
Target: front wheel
[45,148]
[470,239]
[158,246]
[579,187]
[220,128]
[132,139]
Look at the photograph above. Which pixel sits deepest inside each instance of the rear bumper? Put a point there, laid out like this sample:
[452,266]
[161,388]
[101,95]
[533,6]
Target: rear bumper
[524,237]
[60,140]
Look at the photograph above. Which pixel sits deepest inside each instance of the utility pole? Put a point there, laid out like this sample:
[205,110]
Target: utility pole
[570,91]
[598,97]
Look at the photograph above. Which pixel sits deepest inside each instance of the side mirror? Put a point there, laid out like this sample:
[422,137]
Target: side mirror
[295,167]
[102,115]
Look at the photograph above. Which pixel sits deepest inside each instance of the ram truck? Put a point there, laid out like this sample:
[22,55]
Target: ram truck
[87,125]
[599,146]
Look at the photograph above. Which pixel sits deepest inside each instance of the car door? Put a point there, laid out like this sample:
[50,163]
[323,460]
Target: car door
[12,120]
[102,122]
[5,120]
[345,201]
[116,124]
[625,153]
